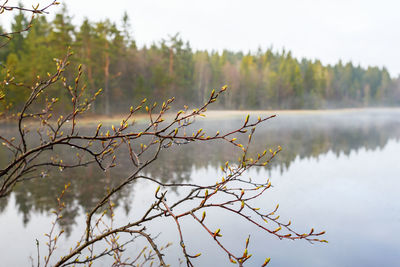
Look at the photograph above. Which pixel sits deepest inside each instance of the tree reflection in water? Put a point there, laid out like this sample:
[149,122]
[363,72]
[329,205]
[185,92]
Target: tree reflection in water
[301,136]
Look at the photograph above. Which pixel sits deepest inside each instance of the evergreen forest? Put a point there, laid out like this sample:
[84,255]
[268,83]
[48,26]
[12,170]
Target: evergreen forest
[126,73]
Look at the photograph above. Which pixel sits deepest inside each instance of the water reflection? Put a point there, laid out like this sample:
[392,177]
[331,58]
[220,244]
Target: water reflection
[301,136]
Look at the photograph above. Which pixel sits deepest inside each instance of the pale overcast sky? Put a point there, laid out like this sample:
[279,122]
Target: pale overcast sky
[363,31]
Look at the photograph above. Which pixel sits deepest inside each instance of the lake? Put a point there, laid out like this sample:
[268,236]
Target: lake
[338,172]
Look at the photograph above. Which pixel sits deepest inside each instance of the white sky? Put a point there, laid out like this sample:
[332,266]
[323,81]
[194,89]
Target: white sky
[364,31]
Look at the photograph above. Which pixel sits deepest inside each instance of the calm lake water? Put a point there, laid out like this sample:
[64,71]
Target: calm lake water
[338,172]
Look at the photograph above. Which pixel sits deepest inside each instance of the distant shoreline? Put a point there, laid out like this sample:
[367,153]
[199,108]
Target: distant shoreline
[217,114]
[301,111]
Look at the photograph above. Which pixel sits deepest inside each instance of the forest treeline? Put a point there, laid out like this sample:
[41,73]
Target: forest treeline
[266,79]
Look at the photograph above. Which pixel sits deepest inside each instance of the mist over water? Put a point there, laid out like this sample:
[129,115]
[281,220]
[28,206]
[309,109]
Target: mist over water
[338,172]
